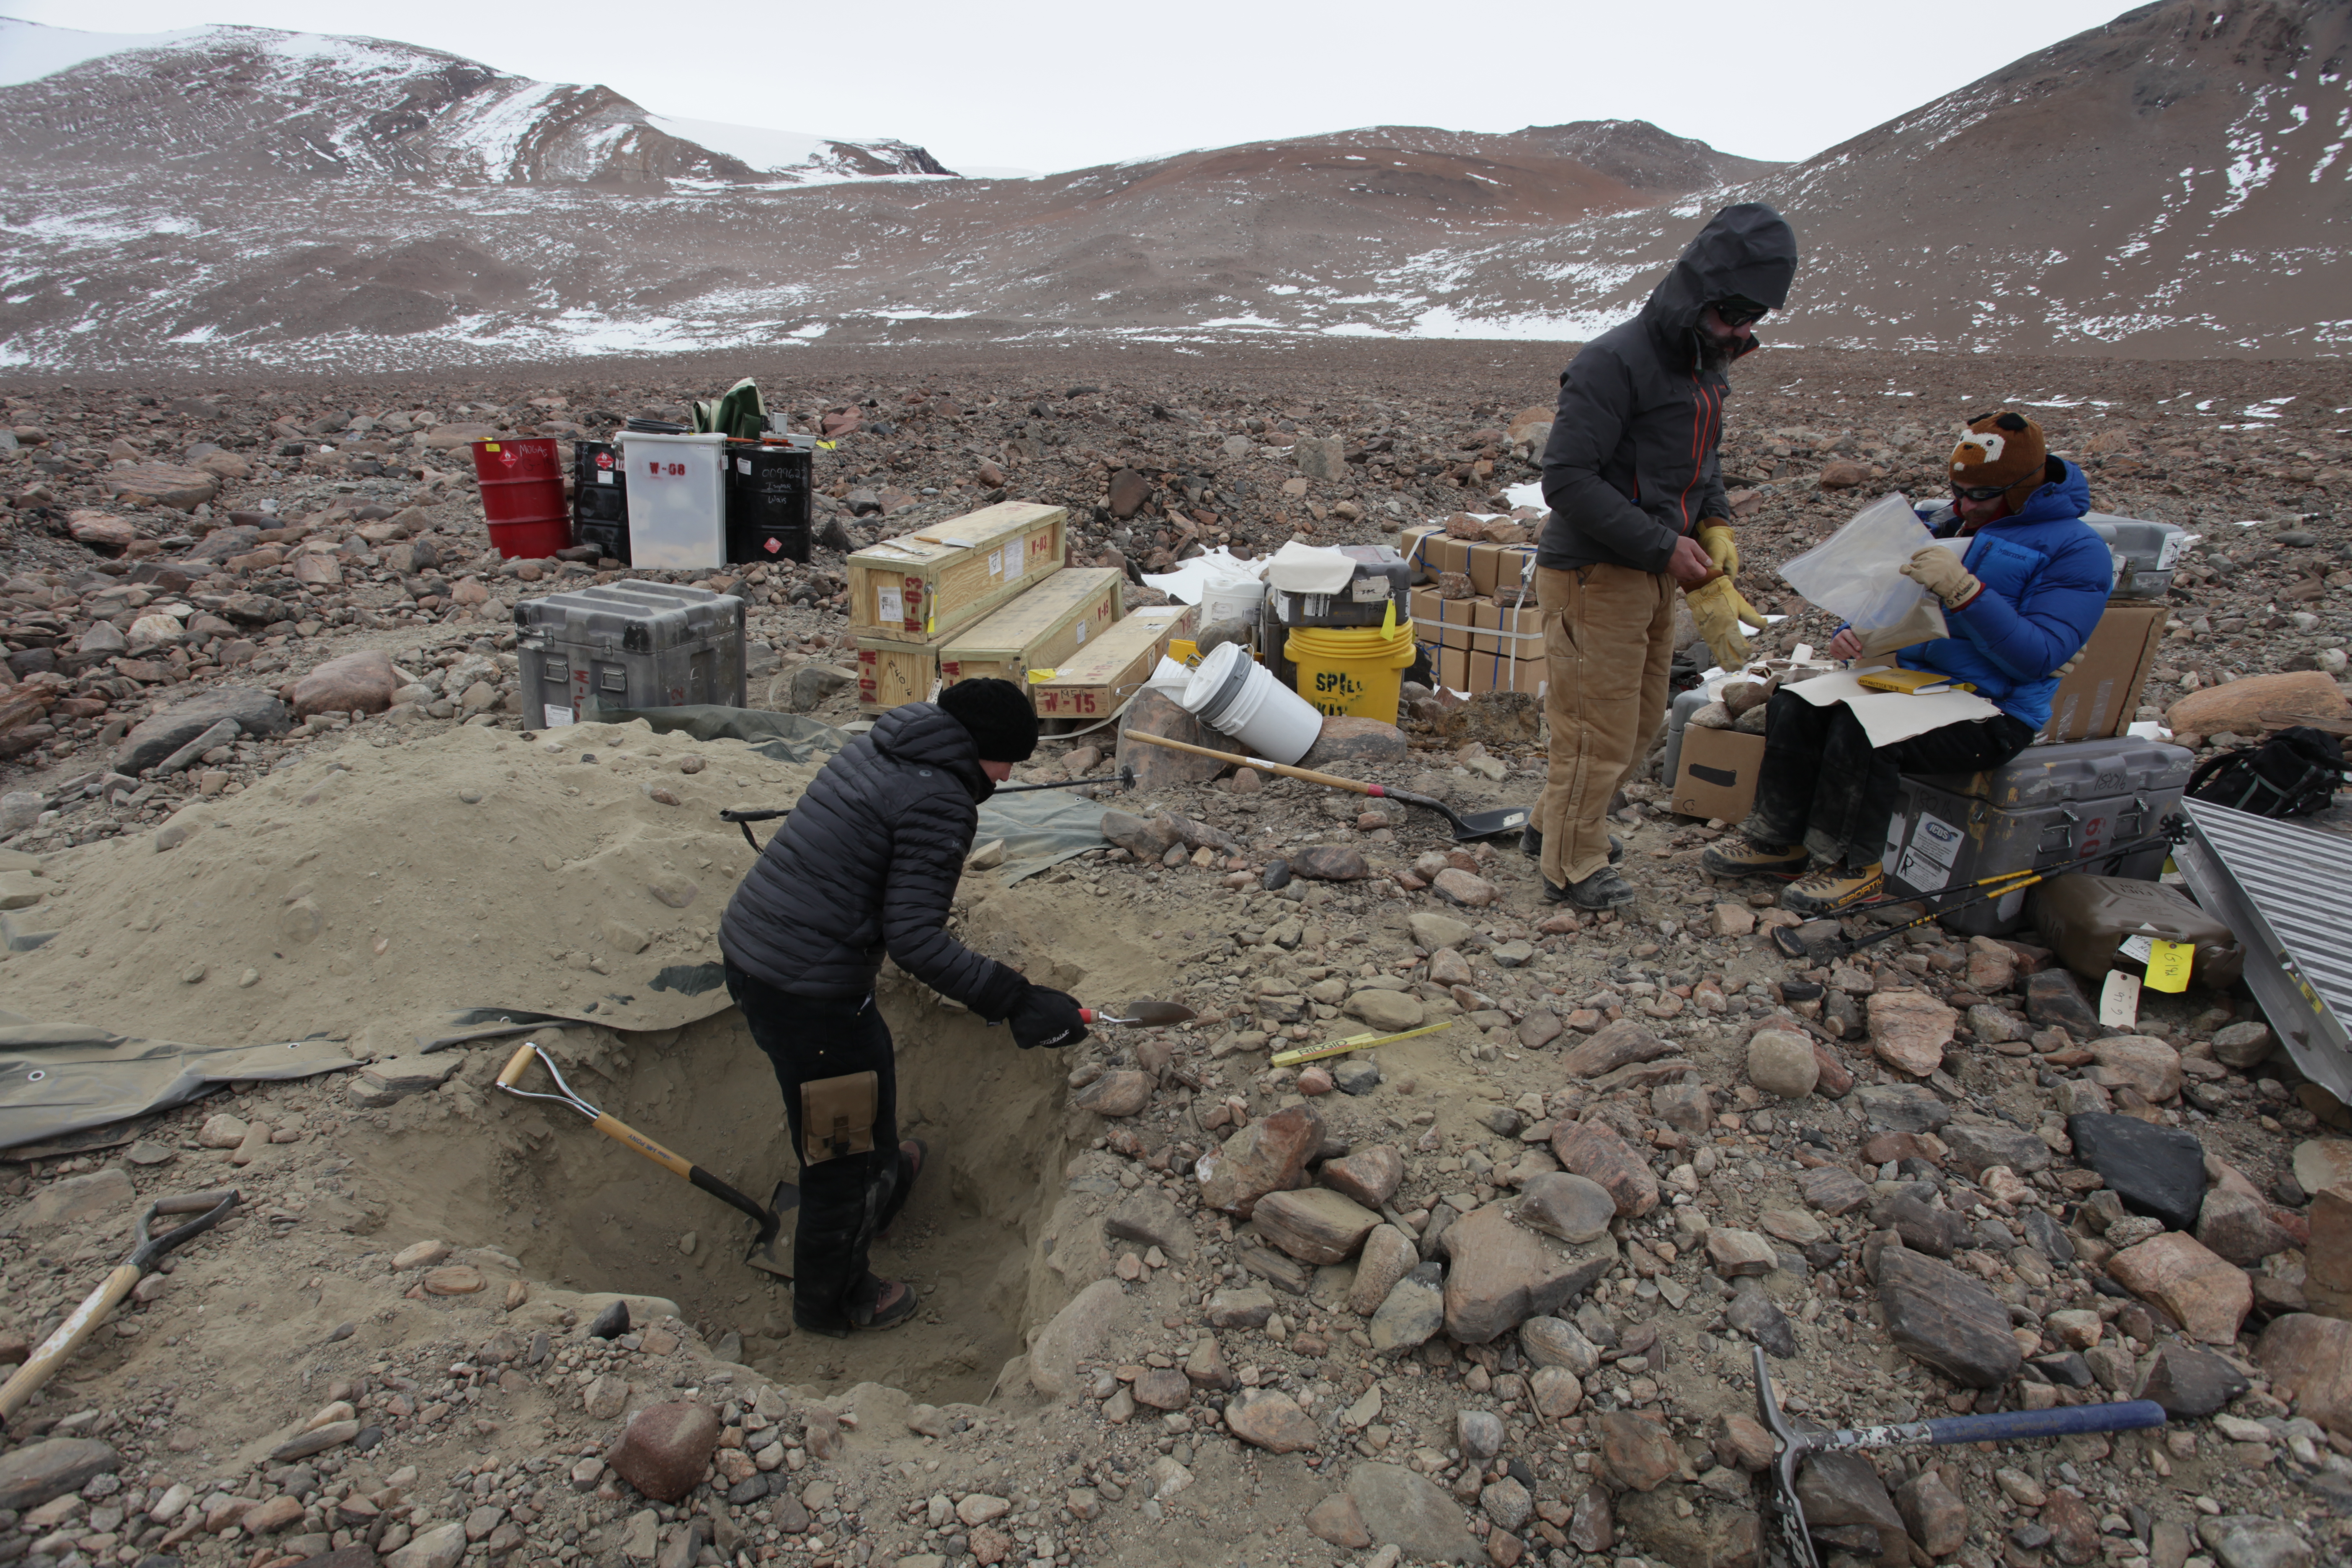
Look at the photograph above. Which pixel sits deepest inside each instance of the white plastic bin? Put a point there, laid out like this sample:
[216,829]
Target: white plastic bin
[678,506]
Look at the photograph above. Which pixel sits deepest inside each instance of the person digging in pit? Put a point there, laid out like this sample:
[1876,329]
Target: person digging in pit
[2019,603]
[867,864]
[1637,507]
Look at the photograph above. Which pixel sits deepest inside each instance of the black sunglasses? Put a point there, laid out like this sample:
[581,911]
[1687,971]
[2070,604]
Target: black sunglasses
[1981,492]
[1739,312]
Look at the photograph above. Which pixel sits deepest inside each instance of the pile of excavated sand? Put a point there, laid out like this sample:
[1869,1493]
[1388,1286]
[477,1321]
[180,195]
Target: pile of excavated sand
[365,893]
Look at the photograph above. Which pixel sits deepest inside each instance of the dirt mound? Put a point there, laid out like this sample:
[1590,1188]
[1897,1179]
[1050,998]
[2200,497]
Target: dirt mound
[367,893]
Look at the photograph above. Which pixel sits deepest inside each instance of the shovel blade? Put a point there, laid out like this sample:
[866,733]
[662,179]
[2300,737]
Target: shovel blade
[768,1249]
[1469,826]
[1157,1015]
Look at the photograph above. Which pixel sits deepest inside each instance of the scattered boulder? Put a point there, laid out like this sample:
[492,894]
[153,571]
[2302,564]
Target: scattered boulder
[1315,1225]
[1268,1155]
[2156,1171]
[1593,1150]
[1909,1030]
[1941,1317]
[2204,1293]
[1406,1509]
[1782,1063]
[1501,1273]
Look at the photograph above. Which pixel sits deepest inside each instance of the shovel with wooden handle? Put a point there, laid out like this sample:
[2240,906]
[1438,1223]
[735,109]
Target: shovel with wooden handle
[770,1219]
[1466,826]
[210,1209]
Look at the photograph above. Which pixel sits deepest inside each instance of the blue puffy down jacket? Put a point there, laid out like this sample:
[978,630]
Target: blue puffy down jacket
[2046,578]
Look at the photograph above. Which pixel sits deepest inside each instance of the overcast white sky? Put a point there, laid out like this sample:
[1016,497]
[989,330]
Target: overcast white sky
[1058,84]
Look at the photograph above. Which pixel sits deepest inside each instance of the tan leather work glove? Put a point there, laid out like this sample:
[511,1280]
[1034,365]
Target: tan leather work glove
[1939,572]
[1713,536]
[1719,610]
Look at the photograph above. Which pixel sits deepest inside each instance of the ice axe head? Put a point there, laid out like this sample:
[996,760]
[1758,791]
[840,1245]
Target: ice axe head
[1793,1448]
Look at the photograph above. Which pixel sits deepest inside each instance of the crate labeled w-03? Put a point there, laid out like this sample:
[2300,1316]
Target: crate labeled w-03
[628,645]
[2047,806]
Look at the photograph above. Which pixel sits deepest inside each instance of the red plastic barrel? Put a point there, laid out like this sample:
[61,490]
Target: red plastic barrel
[523,496]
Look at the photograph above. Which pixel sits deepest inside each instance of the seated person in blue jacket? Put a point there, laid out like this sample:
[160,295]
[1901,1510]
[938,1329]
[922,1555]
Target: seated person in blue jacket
[2020,603]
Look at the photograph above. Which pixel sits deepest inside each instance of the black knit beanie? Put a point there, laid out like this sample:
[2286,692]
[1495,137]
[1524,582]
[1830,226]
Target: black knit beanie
[1002,724]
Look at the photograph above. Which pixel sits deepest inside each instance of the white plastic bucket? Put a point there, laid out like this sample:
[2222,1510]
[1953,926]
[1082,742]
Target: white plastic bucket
[1266,717]
[1232,598]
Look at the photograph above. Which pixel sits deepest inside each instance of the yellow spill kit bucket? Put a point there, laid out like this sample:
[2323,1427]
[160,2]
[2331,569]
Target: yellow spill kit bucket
[1352,672]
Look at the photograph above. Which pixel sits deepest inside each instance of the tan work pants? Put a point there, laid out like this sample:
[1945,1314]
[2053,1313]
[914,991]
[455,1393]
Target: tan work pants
[1609,637]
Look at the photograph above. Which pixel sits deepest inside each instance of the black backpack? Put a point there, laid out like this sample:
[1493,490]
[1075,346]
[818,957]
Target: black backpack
[2295,773]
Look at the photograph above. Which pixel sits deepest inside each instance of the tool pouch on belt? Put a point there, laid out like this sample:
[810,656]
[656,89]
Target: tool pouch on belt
[837,1117]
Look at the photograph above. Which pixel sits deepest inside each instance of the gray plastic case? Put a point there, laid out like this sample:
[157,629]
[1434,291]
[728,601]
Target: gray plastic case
[628,645]
[2144,553]
[2048,806]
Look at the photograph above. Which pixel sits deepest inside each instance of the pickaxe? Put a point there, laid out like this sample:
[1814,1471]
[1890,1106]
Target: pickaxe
[2006,1426]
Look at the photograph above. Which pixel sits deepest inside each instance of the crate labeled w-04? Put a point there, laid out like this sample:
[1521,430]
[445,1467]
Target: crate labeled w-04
[2046,806]
[628,645]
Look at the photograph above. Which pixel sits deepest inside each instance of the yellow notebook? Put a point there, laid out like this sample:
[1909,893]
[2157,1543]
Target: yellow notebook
[1896,679]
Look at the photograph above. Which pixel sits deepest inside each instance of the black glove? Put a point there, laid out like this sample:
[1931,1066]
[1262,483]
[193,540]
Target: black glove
[1043,1018]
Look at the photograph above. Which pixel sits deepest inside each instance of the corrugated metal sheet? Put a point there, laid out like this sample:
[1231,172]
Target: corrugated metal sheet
[2286,890]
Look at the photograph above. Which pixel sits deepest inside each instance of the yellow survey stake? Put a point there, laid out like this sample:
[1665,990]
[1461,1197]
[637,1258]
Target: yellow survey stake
[1341,1048]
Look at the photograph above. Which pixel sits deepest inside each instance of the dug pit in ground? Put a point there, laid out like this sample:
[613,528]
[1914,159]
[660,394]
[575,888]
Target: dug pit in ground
[533,1180]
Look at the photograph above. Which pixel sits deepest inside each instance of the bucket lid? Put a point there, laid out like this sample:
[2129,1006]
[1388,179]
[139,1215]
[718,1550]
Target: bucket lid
[1216,680]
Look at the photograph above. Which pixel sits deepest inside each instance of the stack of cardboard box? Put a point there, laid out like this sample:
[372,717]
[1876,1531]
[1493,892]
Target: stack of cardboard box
[1484,642]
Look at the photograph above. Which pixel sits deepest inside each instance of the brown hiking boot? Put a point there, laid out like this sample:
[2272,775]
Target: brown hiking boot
[1831,890]
[1746,856]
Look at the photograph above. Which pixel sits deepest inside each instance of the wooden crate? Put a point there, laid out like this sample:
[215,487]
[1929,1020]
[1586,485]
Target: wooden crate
[891,674]
[1088,687]
[1039,629]
[921,587]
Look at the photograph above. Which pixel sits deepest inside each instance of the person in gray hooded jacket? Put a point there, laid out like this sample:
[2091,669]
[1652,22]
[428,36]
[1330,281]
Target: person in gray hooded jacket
[1637,507]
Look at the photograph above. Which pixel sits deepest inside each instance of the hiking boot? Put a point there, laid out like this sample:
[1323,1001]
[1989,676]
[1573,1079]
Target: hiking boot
[1531,846]
[1604,890]
[1747,857]
[1831,888]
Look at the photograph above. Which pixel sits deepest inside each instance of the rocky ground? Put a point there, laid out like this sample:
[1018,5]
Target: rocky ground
[1488,1292]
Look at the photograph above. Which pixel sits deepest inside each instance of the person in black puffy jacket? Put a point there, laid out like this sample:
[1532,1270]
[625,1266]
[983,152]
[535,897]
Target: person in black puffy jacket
[866,865]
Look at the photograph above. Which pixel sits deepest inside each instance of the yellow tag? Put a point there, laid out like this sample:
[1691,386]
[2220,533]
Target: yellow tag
[1039,677]
[827,446]
[489,446]
[2167,964]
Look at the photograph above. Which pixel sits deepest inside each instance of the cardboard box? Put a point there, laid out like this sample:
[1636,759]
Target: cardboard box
[1446,621]
[1425,549]
[1462,670]
[1716,777]
[2096,700]
[1038,630]
[914,589]
[1091,684]
[1517,634]
[1433,553]
[1495,566]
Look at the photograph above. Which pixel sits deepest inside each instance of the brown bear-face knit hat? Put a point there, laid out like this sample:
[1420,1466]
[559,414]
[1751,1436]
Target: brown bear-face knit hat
[2003,448]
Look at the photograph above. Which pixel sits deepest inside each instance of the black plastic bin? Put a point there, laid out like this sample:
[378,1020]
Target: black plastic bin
[600,484]
[600,498]
[770,502]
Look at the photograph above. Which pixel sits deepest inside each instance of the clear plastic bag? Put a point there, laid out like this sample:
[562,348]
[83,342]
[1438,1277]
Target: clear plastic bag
[1856,574]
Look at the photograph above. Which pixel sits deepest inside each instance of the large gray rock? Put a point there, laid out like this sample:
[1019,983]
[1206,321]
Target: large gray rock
[1501,1274]
[1075,1333]
[1408,1510]
[78,1198]
[1938,1315]
[257,713]
[2253,1540]
[32,1475]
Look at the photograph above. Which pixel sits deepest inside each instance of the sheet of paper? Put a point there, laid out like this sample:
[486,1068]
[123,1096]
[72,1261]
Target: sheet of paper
[1891,716]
